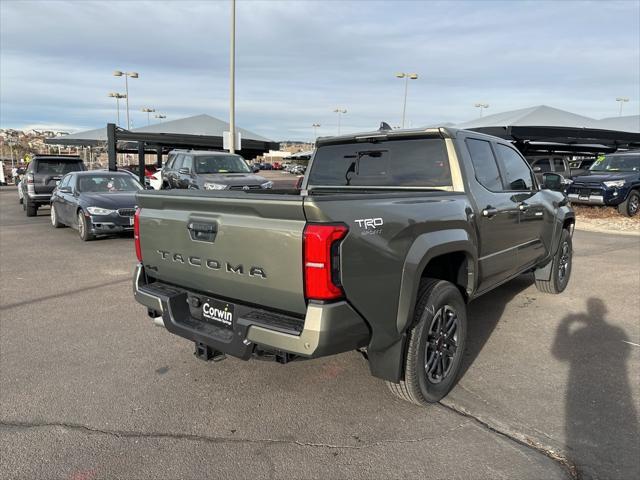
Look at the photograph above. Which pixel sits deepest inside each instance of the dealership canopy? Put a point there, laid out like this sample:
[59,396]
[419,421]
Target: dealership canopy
[199,131]
[543,128]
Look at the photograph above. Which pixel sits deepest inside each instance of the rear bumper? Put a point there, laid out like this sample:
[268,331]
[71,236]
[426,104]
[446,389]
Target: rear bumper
[39,198]
[326,329]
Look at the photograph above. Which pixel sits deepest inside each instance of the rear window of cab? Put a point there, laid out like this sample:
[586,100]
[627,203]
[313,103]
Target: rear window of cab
[394,163]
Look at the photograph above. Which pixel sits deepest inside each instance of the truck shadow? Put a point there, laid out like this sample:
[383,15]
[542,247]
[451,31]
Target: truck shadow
[484,315]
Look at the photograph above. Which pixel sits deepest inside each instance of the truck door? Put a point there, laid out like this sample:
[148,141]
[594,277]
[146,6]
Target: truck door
[533,213]
[497,216]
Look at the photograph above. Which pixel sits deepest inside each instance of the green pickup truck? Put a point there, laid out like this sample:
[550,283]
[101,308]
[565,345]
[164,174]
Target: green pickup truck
[391,234]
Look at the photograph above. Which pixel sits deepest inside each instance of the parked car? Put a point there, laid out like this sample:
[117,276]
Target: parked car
[542,164]
[206,170]
[393,233]
[155,179]
[267,166]
[42,176]
[613,180]
[95,203]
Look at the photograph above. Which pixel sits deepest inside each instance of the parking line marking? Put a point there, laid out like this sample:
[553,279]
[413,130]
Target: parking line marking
[631,343]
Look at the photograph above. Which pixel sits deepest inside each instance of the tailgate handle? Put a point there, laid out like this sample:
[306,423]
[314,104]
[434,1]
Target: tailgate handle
[203,232]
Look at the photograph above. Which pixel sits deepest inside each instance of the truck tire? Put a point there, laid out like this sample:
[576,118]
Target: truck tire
[631,205]
[83,228]
[30,208]
[561,268]
[433,357]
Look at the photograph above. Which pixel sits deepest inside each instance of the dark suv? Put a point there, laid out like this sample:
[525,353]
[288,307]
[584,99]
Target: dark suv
[208,170]
[613,180]
[42,175]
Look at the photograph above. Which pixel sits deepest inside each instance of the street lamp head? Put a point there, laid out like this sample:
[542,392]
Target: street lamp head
[117,73]
[400,75]
[481,105]
[133,74]
[148,110]
[622,99]
[413,76]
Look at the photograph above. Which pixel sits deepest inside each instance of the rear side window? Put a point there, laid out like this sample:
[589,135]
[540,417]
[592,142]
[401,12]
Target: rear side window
[558,164]
[516,171]
[393,163]
[484,164]
[543,165]
[57,167]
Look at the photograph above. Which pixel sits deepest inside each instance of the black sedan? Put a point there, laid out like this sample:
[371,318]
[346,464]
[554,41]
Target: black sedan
[95,203]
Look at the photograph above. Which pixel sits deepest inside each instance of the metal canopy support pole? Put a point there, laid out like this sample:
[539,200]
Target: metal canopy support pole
[111,146]
[141,162]
[159,159]
[232,77]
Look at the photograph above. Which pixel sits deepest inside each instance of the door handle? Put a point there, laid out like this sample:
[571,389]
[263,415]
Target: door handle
[524,206]
[489,211]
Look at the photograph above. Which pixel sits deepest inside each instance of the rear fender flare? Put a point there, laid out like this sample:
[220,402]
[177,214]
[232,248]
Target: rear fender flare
[424,249]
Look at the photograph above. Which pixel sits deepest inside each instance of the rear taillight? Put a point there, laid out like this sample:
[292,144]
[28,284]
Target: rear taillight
[322,261]
[136,234]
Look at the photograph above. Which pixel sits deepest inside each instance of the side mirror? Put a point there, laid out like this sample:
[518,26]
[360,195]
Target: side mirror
[537,169]
[255,169]
[64,190]
[553,181]
[184,171]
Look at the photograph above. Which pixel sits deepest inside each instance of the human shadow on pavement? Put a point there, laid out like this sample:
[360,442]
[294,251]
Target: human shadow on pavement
[601,423]
[484,315]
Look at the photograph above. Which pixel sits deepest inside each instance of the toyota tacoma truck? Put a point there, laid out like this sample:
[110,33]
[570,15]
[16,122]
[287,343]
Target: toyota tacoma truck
[391,234]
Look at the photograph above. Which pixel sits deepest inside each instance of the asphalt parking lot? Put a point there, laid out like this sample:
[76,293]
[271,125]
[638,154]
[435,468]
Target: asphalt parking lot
[90,389]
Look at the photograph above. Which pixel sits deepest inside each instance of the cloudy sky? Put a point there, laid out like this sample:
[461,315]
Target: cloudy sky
[297,61]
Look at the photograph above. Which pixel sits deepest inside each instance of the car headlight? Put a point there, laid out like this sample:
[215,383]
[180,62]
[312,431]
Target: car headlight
[99,211]
[614,183]
[214,186]
[267,185]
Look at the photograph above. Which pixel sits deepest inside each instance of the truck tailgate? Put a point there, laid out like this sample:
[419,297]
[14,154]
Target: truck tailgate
[239,246]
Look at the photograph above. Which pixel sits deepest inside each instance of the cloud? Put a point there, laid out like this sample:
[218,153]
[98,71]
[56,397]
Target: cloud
[297,61]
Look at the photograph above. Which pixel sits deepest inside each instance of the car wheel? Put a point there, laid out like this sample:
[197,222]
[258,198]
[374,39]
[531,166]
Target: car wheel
[83,228]
[31,209]
[631,205]
[433,357]
[54,218]
[561,268]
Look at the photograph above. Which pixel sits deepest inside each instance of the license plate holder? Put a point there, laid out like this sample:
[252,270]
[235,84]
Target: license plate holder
[218,313]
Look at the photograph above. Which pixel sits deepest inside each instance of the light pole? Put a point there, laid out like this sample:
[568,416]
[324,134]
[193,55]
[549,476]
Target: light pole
[232,81]
[160,116]
[340,111]
[148,110]
[315,132]
[481,106]
[117,96]
[126,76]
[407,77]
[622,100]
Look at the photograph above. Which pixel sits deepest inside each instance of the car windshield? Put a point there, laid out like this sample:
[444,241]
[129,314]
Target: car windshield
[57,167]
[617,163]
[108,184]
[221,164]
